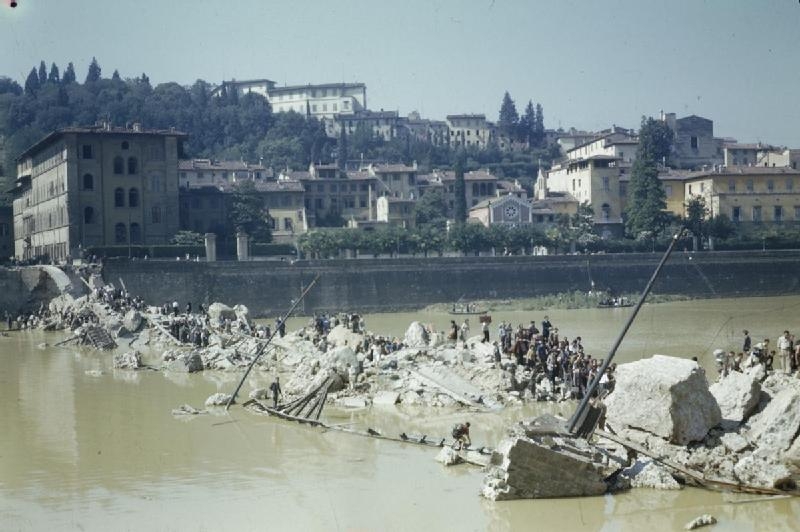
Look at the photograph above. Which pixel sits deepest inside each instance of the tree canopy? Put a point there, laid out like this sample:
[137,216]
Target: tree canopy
[647,200]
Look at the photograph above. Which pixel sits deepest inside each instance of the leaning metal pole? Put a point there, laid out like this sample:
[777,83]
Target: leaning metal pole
[576,416]
[263,347]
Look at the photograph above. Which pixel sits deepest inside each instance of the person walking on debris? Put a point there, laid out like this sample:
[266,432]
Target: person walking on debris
[275,388]
[461,435]
[747,341]
[485,328]
[464,330]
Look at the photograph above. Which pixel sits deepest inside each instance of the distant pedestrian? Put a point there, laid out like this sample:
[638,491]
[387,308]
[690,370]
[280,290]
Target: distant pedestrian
[785,347]
[175,308]
[461,435]
[189,307]
[747,342]
[485,328]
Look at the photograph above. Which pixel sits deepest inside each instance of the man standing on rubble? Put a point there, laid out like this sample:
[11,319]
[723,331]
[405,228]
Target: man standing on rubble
[785,346]
[461,435]
[275,388]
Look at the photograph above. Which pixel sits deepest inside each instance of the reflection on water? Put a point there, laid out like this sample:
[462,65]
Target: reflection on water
[86,447]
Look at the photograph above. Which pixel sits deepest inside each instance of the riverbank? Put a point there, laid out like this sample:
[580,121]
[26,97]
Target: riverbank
[392,285]
[563,301]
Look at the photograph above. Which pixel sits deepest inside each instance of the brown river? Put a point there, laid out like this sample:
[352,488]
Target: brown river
[86,447]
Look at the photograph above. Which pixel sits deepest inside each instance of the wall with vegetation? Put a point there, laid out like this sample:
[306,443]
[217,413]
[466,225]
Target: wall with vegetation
[268,287]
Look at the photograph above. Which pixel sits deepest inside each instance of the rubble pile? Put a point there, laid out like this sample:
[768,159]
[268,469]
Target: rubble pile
[754,441]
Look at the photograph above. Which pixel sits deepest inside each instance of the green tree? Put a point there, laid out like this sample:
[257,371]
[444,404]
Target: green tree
[538,126]
[431,209]
[32,83]
[115,76]
[469,238]
[42,73]
[508,118]
[247,213]
[341,152]
[94,73]
[69,74]
[571,231]
[655,140]
[527,125]
[460,191]
[647,201]
[54,76]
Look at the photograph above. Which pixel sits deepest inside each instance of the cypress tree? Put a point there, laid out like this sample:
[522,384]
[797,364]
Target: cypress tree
[69,74]
[32,83]
[42,73]
[460,190]
[94,72]
[54,76]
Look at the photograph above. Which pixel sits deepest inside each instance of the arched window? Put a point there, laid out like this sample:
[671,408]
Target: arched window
[133,198]
[120,233]
[88,182]
[136,234]
[119,197]
[132,165]
[606,210]
[88,215]
[119,165]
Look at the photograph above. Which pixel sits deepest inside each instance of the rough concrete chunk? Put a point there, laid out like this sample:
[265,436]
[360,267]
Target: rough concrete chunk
[341,336]
[523,468]
[416,335]
[755,471]
[702,520]
[218,399]
[666,396]
[215,310]
[129,360]
[448,456]
[737,396]
[645,473]
[132,321]
[185,363]
[386,398]
[777,425]
[734,442]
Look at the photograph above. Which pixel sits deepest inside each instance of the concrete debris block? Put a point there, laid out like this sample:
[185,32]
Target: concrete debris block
[645,473]
[448,456]
[218,399]
[526,468]
[217,310]
[757,372]
[437,339]
[384,398]
[353,402]
[734,442]
[132,321]
[129,360]
[185,363]
[703,520]
[416,335]
[412,398]
[737,396]
[341,336]
[763,472]
[776,426]
[242,312]
[259,394]
[666,396]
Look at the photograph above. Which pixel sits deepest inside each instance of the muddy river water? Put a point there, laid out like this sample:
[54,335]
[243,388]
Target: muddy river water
[85,447]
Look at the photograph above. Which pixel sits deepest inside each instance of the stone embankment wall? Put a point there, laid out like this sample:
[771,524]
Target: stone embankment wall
[268,287]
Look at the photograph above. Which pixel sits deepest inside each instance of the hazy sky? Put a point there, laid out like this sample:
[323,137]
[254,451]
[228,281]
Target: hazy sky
[590,63]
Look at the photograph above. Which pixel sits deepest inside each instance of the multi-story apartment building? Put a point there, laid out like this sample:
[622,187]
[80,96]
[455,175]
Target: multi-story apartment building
[387,125]
[617,142]
[208,186]
[208,172]
[324,100]
[479,185]
[694,144]
[748,195]
[469,130]
[6,232]
[594,180]
[96,186]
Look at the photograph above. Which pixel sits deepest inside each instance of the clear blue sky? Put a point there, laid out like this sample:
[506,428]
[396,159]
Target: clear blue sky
[590,63]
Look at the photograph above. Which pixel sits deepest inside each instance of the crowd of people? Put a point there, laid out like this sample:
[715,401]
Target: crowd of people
[786,355]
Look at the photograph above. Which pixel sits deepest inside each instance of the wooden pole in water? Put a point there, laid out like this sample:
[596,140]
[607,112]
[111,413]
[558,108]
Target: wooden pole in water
[575,419]
[271,336]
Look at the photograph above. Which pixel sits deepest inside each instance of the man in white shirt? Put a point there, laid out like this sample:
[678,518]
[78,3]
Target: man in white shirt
[785,347]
